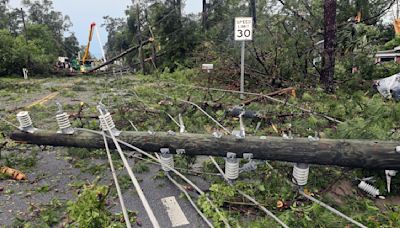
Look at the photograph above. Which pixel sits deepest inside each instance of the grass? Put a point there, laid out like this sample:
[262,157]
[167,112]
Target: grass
[77,184]
[45,215]
[86,166]
[82,153]
[21,161]
[43,189]
[4,177]
[90,209]
[140,167]
[125,182]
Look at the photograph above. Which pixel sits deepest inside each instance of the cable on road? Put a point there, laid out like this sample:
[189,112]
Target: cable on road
[315,200]
[198,107]
[142,197]
[333,210]
[114,175]
[182,189]
[223,218]
[249,197]
[261,95]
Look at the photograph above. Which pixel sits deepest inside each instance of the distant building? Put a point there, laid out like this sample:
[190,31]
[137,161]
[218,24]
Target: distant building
[388,56]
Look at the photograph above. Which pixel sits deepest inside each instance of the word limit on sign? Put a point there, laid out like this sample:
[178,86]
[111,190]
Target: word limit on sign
[243,28]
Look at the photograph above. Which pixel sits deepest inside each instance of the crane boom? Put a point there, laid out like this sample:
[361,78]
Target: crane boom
[86,55]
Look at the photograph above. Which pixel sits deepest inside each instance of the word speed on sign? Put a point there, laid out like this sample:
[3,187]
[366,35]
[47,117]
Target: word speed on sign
[243,28]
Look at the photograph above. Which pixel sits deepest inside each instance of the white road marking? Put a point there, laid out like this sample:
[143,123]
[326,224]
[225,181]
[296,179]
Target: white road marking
[174,211]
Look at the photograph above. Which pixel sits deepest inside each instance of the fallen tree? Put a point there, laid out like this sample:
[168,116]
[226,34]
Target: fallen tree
[113,59]
[347,153]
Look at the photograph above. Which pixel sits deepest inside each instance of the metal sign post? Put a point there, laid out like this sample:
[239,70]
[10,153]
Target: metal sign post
[207,68]
[242,70]
[243,32]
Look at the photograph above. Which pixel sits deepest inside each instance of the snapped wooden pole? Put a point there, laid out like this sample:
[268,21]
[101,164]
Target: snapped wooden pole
[335,152]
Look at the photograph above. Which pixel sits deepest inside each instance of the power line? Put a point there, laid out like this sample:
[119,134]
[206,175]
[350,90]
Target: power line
[247,196]
[222,217]
[114,175]
[202,110]
[262,95]
[142,197]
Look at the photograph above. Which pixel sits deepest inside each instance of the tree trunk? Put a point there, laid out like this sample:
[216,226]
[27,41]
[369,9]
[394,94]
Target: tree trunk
[349,153]
[110,61]
[179,9]
[139,35]
[329,45]
[204,15]
[153,48]
[253,12]
[28,62]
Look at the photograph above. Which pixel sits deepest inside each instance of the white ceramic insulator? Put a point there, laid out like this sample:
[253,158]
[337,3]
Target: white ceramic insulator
[300,174]
[63,121]
[24,119]
[232,169]
[391,173]
[106,122]
[167,162]
[369,189]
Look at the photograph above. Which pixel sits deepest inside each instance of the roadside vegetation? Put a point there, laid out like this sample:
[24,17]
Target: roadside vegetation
[362,114]
[284,54]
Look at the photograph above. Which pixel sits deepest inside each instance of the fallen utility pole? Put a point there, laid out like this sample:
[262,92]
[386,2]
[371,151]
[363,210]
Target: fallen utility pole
[110,61]
[337,152]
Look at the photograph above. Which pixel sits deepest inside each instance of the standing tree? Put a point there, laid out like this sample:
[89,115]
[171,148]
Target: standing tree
[3,14]
[328,71]
[43,13]
[253,12]
[204,15]
[139,37]
[71,46]
[117,40]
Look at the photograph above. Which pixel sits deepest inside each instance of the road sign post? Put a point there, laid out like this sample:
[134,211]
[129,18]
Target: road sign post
[242,70]
[243,32]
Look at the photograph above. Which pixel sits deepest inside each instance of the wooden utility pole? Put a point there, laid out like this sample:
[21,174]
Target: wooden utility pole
[337,152]
[204,15]
[328,71]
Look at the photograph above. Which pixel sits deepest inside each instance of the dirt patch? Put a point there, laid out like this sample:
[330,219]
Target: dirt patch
[389,201]
[341,190]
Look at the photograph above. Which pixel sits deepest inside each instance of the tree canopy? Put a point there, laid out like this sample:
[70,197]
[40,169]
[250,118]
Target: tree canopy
[37,44]
[288,38]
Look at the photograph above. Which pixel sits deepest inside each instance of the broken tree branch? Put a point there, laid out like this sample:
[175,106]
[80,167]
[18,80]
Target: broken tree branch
[275,93]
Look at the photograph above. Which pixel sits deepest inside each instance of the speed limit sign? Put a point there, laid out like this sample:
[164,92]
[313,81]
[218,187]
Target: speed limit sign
[243,28]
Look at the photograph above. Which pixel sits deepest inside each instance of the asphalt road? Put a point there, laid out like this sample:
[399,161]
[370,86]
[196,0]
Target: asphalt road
[17,198]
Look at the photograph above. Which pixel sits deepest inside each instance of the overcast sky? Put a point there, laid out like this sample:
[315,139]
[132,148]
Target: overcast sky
[84,12]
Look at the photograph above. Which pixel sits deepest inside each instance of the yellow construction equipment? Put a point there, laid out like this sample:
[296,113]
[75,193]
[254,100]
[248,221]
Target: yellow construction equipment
[86,55]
